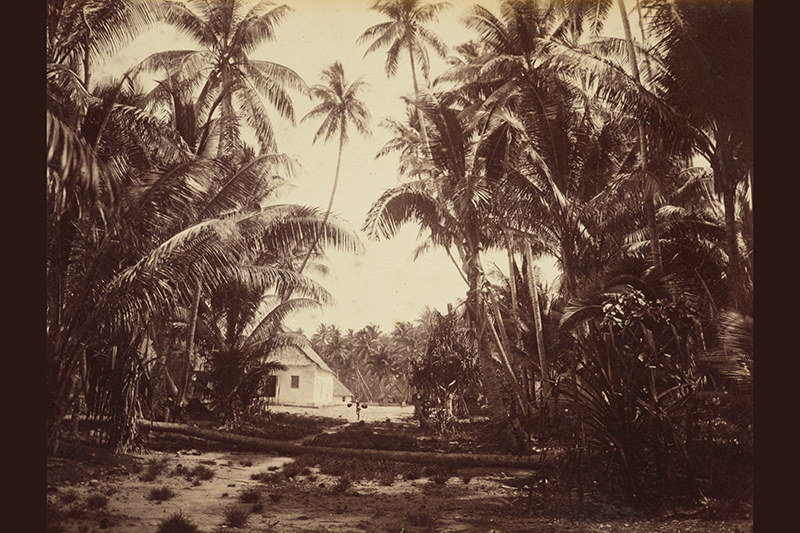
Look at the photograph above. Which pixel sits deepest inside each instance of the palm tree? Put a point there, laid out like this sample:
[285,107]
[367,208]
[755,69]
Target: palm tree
[382,367]
[708,76]
[451,203]
[173,231]
[341,107]
[366,343]
[243,329]
[231,85]
[405,31]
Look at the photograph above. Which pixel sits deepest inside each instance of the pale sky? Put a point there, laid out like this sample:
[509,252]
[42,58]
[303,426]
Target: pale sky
[383,285]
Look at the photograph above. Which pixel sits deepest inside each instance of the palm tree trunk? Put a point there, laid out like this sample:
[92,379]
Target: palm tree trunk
[537,320]
[294,449]
[420,116]
[649,204]
[330,204]
[478,320]
[728,186]
[190,344]
[512,285]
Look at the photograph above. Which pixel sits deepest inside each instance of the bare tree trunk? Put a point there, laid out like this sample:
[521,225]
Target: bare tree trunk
[649,204]
[421,117]
[190,345]
[294,449]
[537,319]
[478,320]
[330,204]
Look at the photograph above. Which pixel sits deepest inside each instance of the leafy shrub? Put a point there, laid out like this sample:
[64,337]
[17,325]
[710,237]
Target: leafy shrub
[237,515]
[413,472]
[292,469]
[201,473]
[343,484]
[69,496]
[154,468]
[421,518]
[177,523]
[96,501]
[250,495]
[267,477]
[161,494]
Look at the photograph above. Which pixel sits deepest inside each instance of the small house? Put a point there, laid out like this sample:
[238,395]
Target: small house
[306,382]
[341,393]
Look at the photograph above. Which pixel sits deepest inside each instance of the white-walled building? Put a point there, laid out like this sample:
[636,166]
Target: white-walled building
[306,382]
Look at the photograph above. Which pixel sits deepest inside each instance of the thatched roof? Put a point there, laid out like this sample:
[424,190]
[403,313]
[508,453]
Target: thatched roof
[299,356]
[339,389]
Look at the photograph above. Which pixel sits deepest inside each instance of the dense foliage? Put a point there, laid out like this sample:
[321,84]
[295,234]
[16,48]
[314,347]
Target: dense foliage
[626,160]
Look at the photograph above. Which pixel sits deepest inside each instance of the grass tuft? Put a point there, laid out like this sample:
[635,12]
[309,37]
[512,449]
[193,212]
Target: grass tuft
[202,473]
[250,495]
[96,501]
[177,523]
[343,484]
[154,468]
[237,515]
[69,496]
[160,494]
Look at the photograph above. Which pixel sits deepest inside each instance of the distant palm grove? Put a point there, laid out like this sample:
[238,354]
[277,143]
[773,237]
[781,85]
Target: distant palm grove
[171,266]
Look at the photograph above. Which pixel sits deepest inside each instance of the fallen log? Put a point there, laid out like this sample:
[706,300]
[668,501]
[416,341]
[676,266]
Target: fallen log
[293,449]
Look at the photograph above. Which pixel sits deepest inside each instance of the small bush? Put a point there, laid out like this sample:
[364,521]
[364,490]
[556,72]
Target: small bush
[246,463]
[440,478]
[413,472]
[179,470]
[295,468]
[421,518]
[250,495]
[161,494]
[69,496]
[177,523]
[267,477]
[343,484]
[96,501]
[387,472]
[201,472]
[236,516]
[154,468]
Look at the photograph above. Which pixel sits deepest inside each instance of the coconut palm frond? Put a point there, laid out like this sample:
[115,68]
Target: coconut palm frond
[395,207]
[272,322]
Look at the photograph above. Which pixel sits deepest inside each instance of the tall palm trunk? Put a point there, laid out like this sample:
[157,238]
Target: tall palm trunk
[724,170]
[195,311]
[420,116]
[649,203]
[478,321]
[330,204]
[537,319]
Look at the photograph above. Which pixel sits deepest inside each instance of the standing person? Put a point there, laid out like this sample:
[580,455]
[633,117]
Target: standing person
[358,408]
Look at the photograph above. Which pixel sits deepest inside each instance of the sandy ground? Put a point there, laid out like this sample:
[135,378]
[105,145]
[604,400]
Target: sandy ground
[373,412]
[480,500]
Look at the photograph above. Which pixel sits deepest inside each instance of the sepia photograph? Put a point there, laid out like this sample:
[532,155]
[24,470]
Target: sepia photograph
[399,266]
